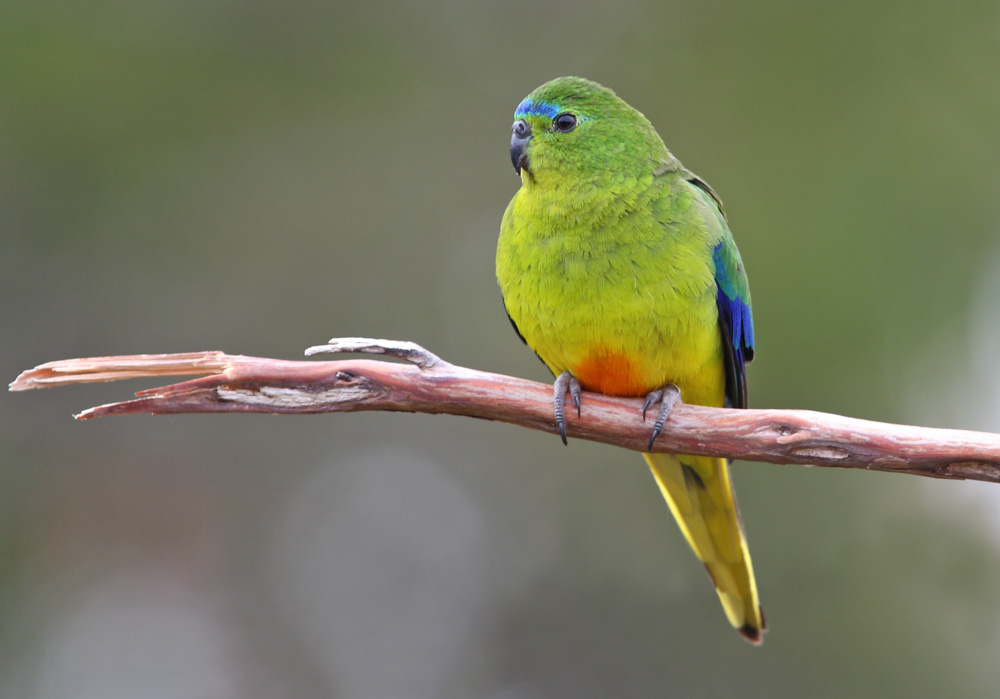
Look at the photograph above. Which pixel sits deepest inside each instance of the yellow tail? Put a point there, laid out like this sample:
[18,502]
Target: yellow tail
[700,495]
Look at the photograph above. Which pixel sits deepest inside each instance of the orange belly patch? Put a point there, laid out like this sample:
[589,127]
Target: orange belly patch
[613,374]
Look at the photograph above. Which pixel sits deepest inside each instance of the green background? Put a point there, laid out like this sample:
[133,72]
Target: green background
[260,177]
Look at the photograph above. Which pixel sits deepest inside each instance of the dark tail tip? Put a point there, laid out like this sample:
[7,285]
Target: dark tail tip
[752,633]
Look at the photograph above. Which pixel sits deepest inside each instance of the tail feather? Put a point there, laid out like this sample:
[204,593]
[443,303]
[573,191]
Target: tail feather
[700,495]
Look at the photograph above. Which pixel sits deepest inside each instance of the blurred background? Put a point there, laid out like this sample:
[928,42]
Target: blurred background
[260,177]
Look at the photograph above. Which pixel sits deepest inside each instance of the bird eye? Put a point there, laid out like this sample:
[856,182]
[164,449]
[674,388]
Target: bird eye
[564,122]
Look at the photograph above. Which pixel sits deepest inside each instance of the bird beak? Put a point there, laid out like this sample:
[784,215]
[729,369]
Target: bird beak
[520,134]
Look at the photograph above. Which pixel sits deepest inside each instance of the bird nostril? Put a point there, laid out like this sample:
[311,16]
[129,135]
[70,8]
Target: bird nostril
[520,129]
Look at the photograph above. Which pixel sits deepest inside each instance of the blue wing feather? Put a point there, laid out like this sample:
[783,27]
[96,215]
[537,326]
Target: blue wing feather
[735,319]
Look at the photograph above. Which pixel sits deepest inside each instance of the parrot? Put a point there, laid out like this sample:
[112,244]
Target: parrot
[617,267]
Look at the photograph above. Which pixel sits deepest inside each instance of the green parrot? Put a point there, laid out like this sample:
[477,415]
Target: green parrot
[618,269]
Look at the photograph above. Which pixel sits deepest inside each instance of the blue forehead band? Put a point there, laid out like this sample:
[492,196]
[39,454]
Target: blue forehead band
[530,107]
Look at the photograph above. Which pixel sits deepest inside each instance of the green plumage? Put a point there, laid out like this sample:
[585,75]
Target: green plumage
[617,265]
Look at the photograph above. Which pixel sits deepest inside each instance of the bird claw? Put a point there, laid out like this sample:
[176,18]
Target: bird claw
[667,397]
[651,398]
[565,382]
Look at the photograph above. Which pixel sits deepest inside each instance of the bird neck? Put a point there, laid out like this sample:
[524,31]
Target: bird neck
[575,200]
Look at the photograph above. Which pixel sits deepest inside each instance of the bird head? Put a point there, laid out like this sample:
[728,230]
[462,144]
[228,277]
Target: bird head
[571,129]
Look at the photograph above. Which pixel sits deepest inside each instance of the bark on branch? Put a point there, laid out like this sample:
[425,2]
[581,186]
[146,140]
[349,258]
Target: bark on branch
[428,384]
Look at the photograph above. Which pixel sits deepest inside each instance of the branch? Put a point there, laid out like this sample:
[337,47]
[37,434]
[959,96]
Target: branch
[428,384]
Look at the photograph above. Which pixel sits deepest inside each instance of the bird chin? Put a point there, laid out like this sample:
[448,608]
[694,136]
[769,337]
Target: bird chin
[525,170]
[523,165]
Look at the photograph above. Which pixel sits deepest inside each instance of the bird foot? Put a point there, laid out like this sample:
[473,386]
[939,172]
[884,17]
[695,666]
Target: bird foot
[565,382]
[667,397]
